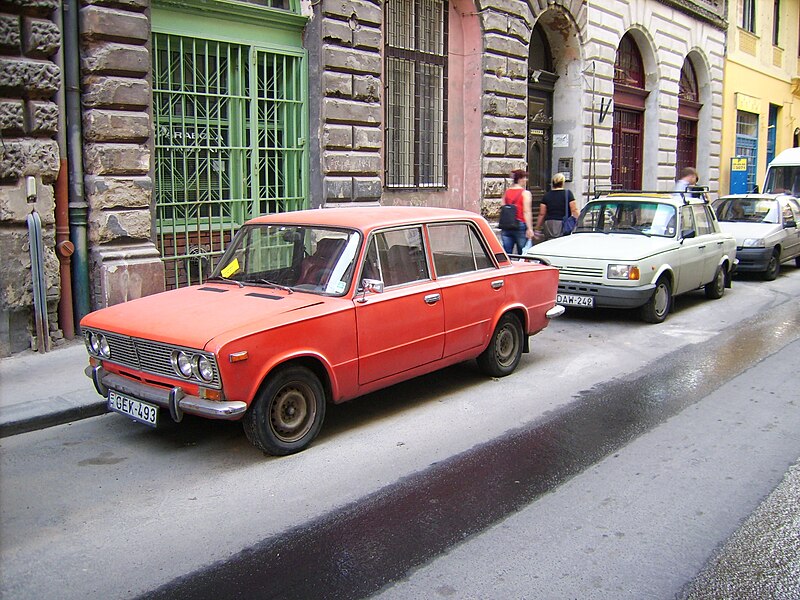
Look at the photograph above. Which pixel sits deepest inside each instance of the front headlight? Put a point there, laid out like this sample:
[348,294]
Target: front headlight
[753,243]
[629,272]
[203,368]
[182,363]
[97,344]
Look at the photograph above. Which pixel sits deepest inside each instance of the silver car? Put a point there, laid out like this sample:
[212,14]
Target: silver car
[766,230]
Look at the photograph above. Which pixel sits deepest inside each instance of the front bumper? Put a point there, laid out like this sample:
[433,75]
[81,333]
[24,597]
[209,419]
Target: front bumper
[175,399]
[753,259]
[609,296]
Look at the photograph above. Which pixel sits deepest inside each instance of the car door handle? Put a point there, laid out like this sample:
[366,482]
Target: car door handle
[432,298]
[498,284]
[701,247]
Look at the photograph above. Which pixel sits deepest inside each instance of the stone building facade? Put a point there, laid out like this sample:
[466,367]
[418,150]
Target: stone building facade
[171,92]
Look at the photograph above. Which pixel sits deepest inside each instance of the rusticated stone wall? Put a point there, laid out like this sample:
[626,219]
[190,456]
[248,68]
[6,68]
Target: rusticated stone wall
[29,80]
[346,110]
[117,133]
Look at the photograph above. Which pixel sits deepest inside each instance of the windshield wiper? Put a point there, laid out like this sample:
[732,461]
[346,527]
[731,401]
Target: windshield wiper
[225,279]
[274,285]
[630,229]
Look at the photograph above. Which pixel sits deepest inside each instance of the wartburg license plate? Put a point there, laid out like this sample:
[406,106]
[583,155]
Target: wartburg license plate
[135,409]
[575,300]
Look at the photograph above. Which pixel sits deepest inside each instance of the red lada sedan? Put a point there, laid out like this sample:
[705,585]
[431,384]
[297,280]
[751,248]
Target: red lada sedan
[320,306]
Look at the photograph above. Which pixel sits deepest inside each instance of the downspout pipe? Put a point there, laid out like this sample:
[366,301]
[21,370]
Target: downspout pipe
[78,208]
[64,247]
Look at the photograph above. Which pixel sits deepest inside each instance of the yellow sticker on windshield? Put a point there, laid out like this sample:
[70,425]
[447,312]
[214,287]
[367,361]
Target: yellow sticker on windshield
[232,267]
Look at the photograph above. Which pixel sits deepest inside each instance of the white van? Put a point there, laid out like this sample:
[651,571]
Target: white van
[783,174]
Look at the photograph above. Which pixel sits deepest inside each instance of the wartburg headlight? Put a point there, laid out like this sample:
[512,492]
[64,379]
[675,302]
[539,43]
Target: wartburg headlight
[753,243]
[629,272]
[203,368]
[182,363]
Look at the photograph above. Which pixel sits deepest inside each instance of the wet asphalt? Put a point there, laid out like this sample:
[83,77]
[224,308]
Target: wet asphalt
[357,550]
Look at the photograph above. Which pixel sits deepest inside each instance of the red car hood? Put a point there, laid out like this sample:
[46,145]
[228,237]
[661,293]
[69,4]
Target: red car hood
[194,316]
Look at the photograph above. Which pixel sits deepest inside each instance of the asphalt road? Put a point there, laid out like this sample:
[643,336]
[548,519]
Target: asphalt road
[104,508]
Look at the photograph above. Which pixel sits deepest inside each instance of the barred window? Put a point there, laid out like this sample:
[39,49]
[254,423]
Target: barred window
[416,98]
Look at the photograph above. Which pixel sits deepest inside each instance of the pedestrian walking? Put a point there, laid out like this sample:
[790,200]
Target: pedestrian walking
[688,179]
[521,229]
[556,204]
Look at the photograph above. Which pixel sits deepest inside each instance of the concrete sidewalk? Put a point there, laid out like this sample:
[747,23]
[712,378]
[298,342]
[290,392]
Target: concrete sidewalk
[39,390]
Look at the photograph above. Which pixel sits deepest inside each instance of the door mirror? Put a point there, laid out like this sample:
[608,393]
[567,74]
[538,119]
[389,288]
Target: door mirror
[374,286]
[790,224]
[688,233]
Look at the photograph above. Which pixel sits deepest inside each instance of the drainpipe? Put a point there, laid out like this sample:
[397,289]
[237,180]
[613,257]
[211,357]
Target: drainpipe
[78,208]
[64,247]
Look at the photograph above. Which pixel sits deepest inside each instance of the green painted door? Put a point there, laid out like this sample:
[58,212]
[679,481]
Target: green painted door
[230,137]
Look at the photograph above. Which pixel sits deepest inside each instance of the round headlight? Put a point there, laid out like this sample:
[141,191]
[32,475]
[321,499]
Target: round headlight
[203,367]
[105,349]
[182,363]
[94,342]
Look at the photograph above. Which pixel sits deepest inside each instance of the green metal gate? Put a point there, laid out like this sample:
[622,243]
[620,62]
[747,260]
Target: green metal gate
[230,133]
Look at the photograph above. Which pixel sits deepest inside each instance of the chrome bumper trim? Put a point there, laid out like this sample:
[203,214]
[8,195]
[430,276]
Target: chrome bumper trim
[554,312]
[174,400]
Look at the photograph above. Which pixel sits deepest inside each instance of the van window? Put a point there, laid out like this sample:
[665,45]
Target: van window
[783,179]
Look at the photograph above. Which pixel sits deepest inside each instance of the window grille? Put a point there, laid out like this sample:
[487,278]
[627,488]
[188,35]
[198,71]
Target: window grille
[416,98]
[629,68]
[229,133]
[747,143]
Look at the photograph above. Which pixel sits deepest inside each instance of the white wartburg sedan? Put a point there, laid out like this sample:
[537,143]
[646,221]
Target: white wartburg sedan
[640,250]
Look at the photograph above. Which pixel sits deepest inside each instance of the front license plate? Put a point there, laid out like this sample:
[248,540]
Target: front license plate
[135,409]
[575,300]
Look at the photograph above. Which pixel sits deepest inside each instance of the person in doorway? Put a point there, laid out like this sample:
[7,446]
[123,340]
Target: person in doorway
[554,207]
[519,196]
[688,179]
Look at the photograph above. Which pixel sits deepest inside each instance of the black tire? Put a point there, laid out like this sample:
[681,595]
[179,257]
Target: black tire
[288,412]
[716,288]
[773,267]
[657,308]
[504,351]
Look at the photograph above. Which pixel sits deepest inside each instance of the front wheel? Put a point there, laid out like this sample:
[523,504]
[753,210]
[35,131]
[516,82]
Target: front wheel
[716,288]
[657,308]
[287,414]
[503,354]
[773,267]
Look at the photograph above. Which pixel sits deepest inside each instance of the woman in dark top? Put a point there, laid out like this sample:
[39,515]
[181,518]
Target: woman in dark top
[554,208]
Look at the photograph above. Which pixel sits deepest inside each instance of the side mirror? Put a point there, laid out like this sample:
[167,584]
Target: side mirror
[688,234]
[791,223]
[374,286]
[755,189]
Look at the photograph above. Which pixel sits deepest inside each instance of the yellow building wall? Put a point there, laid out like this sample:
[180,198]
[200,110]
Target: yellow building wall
[758,73]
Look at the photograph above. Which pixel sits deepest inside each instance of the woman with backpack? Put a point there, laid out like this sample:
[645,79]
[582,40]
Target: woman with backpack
[517,225]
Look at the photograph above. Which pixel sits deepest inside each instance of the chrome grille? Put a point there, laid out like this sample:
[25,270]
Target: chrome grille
[153,357]
[576,271]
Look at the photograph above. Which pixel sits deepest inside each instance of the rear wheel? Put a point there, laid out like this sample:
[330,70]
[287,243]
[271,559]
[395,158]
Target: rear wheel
[657,308]
[716,288]
[502,355]
[287,414]
[773,267]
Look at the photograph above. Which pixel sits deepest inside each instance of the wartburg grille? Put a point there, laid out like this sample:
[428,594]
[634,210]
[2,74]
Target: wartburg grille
[581,272]
[152,357]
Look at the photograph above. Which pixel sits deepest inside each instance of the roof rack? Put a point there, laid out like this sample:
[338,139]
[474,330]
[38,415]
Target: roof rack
[690,193]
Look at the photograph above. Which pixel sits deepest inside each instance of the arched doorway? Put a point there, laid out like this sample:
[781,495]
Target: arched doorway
[688,117]
[628,127]
[541,83]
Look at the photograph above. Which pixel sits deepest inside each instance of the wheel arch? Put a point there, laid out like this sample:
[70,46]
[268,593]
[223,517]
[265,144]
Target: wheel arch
[313,363]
